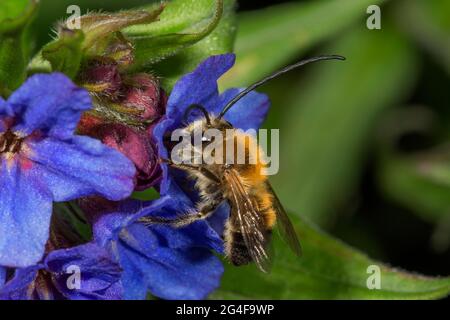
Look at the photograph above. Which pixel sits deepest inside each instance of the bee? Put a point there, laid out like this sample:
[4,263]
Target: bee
[255,208]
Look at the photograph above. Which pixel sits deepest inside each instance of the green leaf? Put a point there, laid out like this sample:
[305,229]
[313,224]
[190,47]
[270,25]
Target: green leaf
[329,122]
[65,54]
[38,65]
[12,17]
[146,195]
[270,38]
[428,23]
[328,269]
[70,212]
[419,182]
[182,24]
[220,41]
[15,18]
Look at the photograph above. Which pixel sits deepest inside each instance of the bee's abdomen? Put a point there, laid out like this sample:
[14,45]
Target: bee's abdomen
[238,253]
[236,249]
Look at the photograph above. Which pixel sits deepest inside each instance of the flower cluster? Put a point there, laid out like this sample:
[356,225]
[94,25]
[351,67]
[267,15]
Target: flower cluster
[55,148]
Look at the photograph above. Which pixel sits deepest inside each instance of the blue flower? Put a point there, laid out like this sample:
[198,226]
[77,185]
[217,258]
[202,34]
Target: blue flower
[84,272]
[41,161]
[169,263]
[2,276]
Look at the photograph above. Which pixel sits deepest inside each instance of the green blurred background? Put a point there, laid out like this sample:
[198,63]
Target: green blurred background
[365,150]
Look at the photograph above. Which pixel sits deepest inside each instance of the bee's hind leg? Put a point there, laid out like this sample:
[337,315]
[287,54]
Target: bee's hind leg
[204,212]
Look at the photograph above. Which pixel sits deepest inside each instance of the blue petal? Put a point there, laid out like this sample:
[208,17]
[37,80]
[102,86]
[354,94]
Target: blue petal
[158,132]
[134,285]
[169,273]
[3,107]
[4,111]
[25,210]
[18,288]
[100,276]
[217,221]
[134,245]
[81,167]
[51,103]
[199,87]
[197,234]
[249,112]
[2,276]
[109,225]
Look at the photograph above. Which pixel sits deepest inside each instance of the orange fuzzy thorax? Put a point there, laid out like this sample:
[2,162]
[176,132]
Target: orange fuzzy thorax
[254,179]
[251,172]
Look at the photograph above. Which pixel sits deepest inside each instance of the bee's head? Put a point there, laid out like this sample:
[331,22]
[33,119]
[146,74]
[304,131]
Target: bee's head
[207,121]
[204,121]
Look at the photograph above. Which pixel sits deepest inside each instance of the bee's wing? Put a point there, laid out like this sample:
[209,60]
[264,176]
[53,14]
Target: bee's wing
[285,226]
[244,213]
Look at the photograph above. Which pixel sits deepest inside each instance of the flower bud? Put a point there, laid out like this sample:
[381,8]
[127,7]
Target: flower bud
[135,144]
[102,77]
[143,94]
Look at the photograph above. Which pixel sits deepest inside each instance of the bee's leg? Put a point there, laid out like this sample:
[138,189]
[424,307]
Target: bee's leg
[204,212]
[188,167]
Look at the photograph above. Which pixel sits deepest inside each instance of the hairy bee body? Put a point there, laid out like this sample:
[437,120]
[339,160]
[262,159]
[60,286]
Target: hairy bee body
[248,175]
[235,247]
[243,184]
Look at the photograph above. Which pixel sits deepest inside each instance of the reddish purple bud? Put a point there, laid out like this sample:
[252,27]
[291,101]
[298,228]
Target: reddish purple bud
[102,78]
[88,123]
[144,95]
[134,144]
[136,105]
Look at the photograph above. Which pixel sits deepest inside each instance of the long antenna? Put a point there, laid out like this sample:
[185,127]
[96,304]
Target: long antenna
[276,74]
